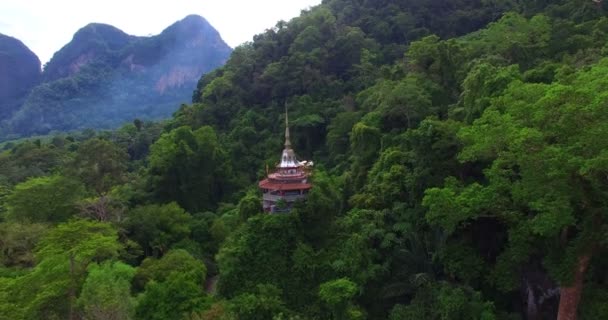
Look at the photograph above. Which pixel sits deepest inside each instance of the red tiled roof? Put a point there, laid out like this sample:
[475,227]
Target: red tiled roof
[267,184]
[279,176]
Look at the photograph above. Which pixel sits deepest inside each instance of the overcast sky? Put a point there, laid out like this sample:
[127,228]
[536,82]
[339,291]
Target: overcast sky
[47,25]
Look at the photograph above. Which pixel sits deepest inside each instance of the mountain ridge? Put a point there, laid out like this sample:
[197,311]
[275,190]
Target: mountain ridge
[19,72]
[104,77]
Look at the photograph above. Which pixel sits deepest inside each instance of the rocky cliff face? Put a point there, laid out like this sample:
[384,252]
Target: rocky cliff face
[19,72]
[105,77]
[94,41]
[185,51]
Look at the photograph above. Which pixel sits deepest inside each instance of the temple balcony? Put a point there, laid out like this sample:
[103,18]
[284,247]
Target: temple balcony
[287,198]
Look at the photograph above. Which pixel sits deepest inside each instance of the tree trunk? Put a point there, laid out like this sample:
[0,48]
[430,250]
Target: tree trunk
[72,289]
[571,296]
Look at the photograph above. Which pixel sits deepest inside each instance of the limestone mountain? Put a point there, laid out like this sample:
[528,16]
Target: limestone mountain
[96,41]
[19,72]
[105,77]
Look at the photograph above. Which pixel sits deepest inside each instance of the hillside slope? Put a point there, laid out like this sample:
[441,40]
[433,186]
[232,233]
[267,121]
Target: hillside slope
[459,174]
[19,72]
[104,77]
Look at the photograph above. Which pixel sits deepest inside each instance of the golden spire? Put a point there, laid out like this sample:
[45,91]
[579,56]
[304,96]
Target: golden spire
[287,142]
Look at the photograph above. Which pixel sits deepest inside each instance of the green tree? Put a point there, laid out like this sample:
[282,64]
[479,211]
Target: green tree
[249,206]
[338,295]
[100,164]
[528,38]
[484,82]
[264,303]
[175,298]
[175,261]
[441,301]
[338,132]
[157,227]
[44,199]
[202,232]
[256,253]
[63,256]
[190,167]
[545,181]
[18,243]
[365,143]
[106,292]
[315,216]
[29,159]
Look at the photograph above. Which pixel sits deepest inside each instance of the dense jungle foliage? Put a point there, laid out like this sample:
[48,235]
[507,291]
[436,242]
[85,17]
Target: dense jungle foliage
[461,173]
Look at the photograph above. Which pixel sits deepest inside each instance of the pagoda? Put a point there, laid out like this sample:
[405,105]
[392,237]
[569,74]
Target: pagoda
[288,183]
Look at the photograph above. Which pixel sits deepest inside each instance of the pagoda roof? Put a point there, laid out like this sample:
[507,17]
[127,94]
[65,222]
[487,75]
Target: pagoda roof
[282,176]
[285,178]
[276,185]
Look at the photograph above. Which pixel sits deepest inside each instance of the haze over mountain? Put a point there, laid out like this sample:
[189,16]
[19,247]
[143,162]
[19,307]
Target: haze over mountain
[105,77]
[19,72]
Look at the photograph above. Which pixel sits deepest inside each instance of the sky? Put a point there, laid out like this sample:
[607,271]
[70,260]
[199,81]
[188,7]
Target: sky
[47,25]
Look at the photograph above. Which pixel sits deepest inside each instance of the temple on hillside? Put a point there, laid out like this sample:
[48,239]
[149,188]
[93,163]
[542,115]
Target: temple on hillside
[288,183]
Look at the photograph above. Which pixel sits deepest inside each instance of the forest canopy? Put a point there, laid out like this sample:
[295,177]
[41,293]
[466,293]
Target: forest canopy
[460,173]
